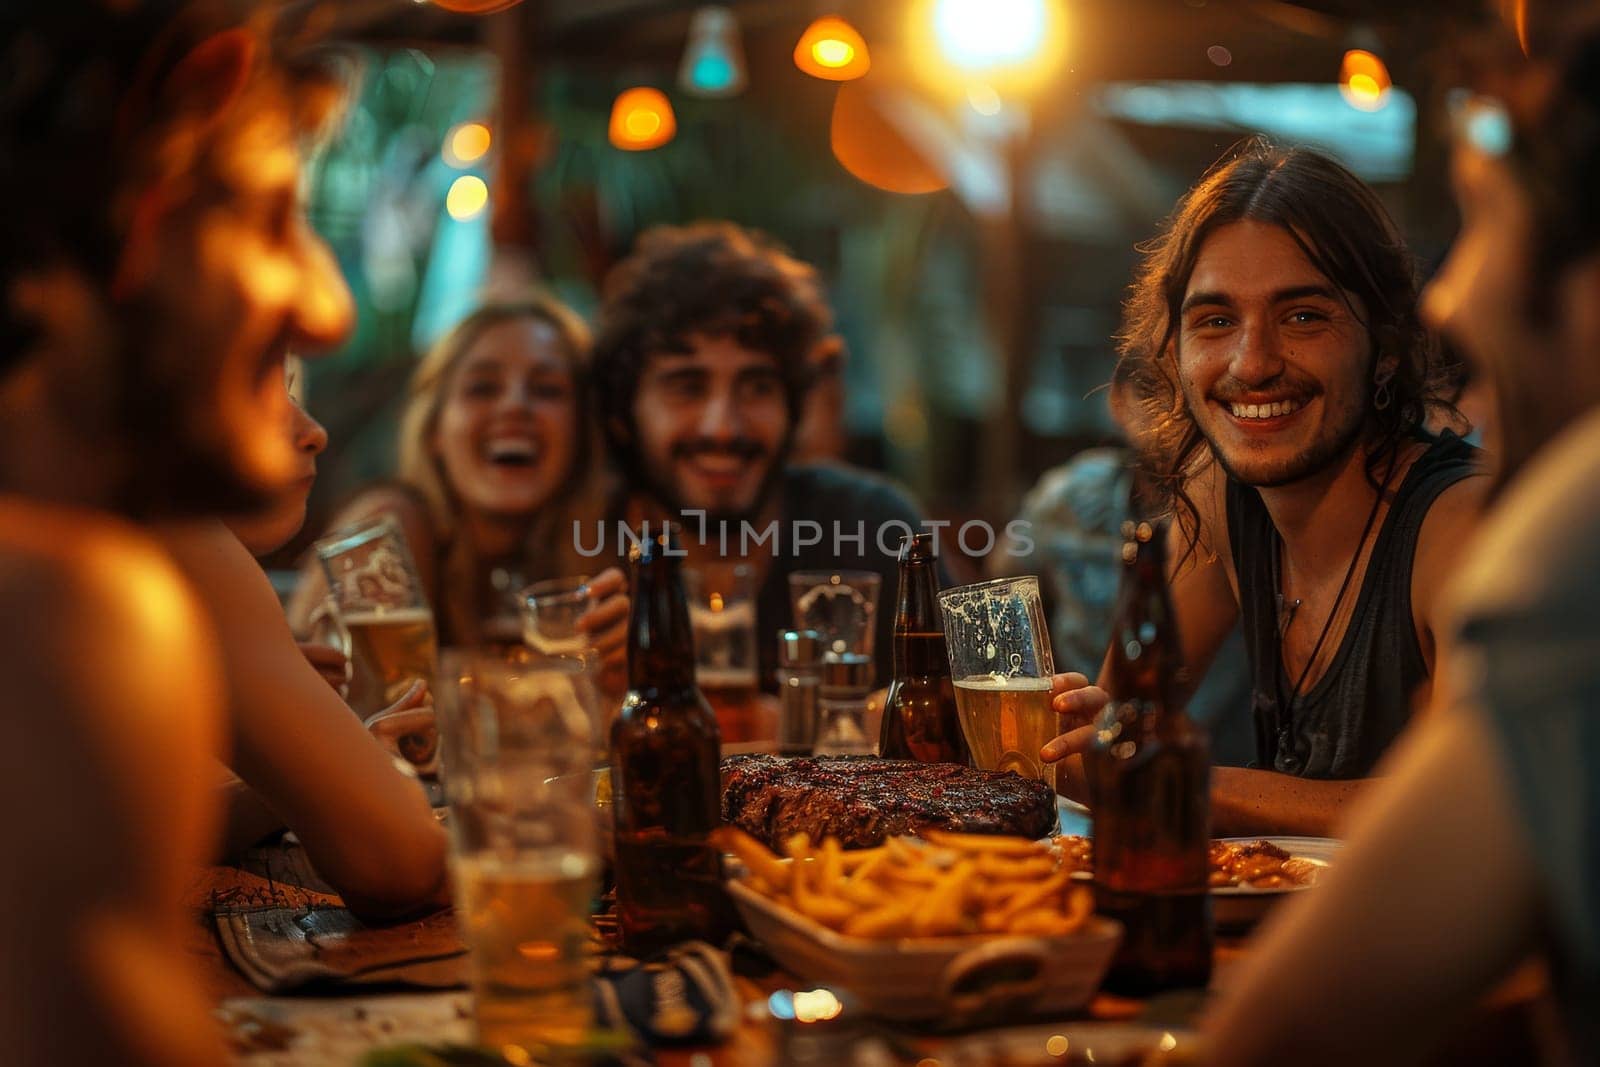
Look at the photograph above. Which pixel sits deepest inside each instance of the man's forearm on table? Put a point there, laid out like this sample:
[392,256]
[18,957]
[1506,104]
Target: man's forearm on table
[1246,801]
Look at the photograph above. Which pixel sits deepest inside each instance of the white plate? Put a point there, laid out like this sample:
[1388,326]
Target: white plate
[1244,905]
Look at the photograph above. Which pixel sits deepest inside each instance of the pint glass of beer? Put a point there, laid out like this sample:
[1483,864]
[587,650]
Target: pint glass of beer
[525,867]
[722,614]
[1000,661]
[380,601]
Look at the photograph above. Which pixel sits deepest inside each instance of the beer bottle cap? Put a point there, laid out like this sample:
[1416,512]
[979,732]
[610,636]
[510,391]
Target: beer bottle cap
[799,648]
[917,547]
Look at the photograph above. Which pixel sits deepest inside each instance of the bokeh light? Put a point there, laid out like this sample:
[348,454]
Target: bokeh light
[983,98]
[869,146]
[1364,80]
[468,196]
[1013,46]
[476,7]
[641,119]
[832,49]
[466,144]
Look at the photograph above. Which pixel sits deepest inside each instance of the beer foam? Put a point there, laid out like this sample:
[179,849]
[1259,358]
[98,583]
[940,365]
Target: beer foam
[1008,683]
[395,617]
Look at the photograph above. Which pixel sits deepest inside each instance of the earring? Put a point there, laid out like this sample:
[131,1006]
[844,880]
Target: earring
[1382,392]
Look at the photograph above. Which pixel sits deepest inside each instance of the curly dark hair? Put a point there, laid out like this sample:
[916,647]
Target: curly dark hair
[711,278]
[1345,232]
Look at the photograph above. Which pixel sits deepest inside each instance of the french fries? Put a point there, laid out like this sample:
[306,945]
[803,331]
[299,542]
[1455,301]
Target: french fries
[947,885]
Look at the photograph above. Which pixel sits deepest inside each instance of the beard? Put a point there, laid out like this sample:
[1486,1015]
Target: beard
[658,484]
[1343,430]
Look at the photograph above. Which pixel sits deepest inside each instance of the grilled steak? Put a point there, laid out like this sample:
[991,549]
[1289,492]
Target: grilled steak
[862,799]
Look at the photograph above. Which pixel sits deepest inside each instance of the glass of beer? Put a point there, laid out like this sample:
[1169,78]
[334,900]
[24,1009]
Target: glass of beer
[1000,661]
[842,606]
[722,613]
[516,739]
[381,603]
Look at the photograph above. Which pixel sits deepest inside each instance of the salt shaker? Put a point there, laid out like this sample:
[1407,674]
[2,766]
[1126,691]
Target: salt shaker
[842,729]
[799,677]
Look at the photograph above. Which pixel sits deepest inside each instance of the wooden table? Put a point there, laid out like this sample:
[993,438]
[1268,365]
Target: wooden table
[308,1030]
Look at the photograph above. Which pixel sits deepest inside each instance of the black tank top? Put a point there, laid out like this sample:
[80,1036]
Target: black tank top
[1341,725]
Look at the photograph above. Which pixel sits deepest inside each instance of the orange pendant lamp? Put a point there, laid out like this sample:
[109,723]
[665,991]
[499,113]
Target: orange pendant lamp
[476,7]
[832,49]
[641,119]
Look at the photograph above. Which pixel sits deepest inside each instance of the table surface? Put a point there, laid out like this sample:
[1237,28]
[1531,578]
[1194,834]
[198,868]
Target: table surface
[312,1030]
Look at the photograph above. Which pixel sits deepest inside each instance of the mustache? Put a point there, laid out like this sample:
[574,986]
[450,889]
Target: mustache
[1229,389]
[737,447]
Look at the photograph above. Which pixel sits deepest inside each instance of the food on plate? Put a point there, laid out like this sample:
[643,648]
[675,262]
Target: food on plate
[859,801]
[946,884]
[1257,864]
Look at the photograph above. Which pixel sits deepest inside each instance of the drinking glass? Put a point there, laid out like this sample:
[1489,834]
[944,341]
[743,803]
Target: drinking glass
[381,603]
[523,846]
[1000,660]
[722,613]
[550,613]
[840,605]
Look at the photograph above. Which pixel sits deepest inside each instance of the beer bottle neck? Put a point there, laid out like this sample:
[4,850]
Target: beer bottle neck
[1145,653]
[660,640]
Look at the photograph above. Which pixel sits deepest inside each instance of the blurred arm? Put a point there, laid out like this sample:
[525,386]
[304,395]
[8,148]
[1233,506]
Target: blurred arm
[114,727]
[1432,899]
[366,827]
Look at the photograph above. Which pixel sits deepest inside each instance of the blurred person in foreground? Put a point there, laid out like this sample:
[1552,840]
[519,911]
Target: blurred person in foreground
[301,757]
[1276,318]
[704,354]
[155,266]
[1074,514]
[497,458]
[1480,846]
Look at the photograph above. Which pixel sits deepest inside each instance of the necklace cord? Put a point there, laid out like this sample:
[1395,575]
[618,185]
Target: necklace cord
[1285,717]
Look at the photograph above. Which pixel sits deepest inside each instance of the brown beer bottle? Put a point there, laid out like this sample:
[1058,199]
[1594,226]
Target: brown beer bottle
[665,770]
[919,714]
[1149,777]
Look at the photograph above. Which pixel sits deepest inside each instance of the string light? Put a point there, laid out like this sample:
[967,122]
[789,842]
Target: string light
[466,144]
[832,49]
[468,196]
[641,119]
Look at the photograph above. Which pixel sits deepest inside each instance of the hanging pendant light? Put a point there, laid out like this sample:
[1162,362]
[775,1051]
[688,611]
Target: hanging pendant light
[1364,80]
[641,119]
[475,7]
[713,61]
[832,49]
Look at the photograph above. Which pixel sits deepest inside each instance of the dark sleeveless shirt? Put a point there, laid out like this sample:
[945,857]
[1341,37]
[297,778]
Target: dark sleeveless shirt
[1340,726]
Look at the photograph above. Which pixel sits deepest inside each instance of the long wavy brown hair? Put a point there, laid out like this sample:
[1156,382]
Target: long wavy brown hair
[550,550]
[1345,232]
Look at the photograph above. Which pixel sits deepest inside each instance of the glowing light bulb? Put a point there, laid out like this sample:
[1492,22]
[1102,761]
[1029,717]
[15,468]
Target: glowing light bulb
[468,196]
[713,60]
[466,144]
[641,119]
[832,49]
[1364,80]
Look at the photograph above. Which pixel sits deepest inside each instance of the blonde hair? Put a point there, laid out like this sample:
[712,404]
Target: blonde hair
[548,553]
